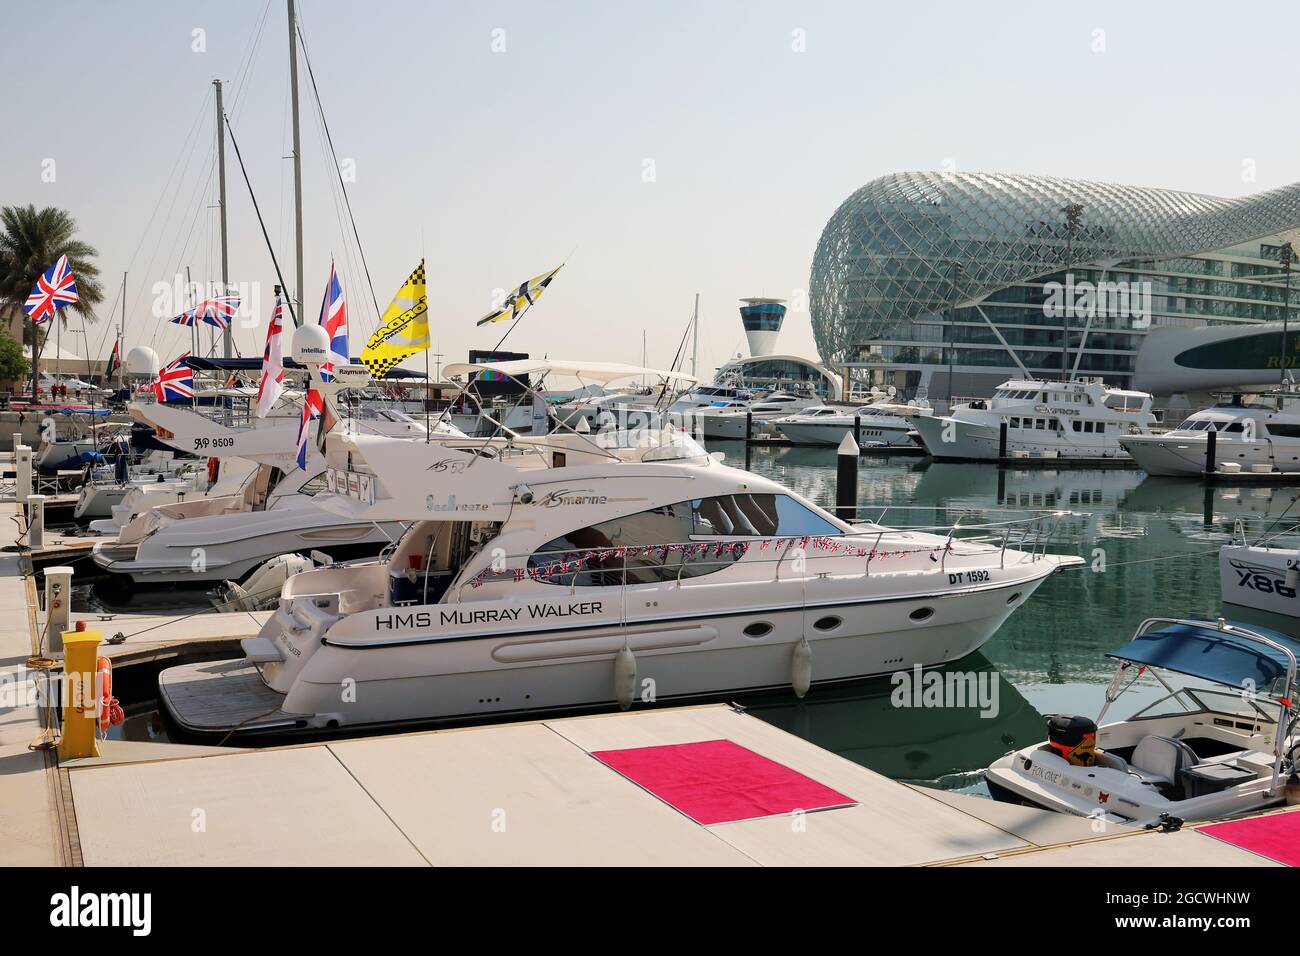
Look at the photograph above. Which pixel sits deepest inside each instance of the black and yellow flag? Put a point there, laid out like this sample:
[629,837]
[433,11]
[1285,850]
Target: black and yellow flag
[521,298]
[404,329]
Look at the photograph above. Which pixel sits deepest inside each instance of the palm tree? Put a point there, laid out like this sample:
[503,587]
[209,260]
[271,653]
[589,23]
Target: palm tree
[31,240]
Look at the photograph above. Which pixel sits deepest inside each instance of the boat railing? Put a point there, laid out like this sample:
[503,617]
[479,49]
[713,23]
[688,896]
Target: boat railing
[1027,535]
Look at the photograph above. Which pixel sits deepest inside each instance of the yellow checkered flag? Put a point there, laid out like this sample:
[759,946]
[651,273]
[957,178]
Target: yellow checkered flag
[404,329]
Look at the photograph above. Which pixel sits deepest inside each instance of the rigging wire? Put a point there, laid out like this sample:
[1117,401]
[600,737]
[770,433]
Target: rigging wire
[188,145]
[302,42]
[260,221]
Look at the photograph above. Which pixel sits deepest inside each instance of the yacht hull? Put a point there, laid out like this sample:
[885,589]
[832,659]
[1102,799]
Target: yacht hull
[1184,457]
[951,439]
[1257,578]
[894,436]
[400,672]
[214,549]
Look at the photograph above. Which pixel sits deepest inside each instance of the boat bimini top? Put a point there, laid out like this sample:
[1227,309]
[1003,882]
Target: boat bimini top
[1257,662]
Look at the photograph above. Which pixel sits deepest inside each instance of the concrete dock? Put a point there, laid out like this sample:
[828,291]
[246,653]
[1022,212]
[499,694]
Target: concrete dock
[509,794]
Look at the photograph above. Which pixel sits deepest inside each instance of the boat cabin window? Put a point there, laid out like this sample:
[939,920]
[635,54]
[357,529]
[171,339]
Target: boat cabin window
[723,516]
[1281,430]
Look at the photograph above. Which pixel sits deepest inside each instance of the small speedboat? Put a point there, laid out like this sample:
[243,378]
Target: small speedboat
[1219,746]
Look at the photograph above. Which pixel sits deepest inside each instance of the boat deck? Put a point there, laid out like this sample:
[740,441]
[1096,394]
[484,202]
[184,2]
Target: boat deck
[216,695]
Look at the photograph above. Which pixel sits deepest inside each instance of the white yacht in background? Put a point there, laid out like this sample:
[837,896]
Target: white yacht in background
[210,540]
[1258,435]
[74,451]
[278,510]
[1082,418]
[109,485]
[828,424]
[577,570]
[232,475]
[730,420]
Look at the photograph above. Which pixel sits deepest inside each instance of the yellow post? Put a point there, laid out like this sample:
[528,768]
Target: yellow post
[80,713]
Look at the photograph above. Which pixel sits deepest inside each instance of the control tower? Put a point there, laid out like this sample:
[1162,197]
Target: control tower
[762,321]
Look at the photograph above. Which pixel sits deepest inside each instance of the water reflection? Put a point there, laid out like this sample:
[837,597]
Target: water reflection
[929,744]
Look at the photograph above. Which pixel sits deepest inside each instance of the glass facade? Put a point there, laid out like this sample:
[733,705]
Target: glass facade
[919,272]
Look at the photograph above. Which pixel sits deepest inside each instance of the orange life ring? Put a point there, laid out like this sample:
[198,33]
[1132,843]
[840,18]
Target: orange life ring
[110,710]
[214,467]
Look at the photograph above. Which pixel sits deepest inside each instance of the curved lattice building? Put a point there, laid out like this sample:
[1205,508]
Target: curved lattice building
[919,273]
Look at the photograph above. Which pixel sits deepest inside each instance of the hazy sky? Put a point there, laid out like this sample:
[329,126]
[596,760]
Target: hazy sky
[661,149]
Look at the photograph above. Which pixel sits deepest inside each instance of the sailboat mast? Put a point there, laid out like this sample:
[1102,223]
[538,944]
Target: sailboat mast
[297,153]
[695,344]
[227,334]
[121,332]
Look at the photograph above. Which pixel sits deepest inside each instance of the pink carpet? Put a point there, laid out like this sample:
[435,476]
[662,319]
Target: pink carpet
[1276,837]
[717,781]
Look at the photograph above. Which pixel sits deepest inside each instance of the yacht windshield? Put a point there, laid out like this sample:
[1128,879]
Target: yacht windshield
[668,444]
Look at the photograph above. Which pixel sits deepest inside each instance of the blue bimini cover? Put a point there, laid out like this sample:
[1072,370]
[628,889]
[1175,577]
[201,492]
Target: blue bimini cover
[1204,651]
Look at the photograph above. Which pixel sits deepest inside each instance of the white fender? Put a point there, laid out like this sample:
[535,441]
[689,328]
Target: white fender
[1293,572]
[625,677]
[801,668]
[1248,430]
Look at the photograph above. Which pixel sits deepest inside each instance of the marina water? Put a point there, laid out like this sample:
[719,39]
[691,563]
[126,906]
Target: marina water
[1152,550]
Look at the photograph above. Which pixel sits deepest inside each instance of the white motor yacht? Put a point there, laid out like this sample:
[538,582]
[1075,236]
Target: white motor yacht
[1082,418]
[1218,746]
[730,421]
[1259,435]
[828,424]
[232,476]
[109,485]
[576,570]
[276,511]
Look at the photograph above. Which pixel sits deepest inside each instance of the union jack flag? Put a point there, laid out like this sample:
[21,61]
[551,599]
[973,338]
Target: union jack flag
[334,319]
[311,409]
[175,382]
[55,289]
[216,311]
